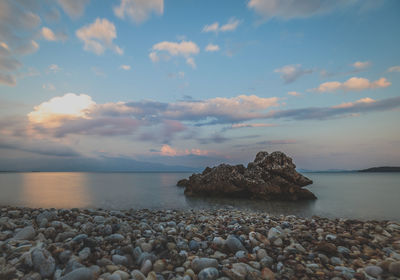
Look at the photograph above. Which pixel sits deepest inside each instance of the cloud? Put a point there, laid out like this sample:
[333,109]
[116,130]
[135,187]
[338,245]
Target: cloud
[364,105]
[167,150]
[361,65]
[18,26]
[291,73]
[231,25]
[73,8]
[58,109]
[8,79]
[79,114]
[54,68]
[49,35]
[99,36]
[185,49]
[294,93]
[125,67]
[394,69]
[277,142]
[352,84]
[365,100]
[139,10]
[212,48]
[291,9]
[257,125]
[41,147]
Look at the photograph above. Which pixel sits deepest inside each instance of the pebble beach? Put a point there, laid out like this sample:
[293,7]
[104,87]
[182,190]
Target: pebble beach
[79,244]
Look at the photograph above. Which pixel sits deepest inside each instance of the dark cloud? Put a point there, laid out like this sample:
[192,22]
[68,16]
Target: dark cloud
[324,113]
[290,9]
[41,148]
[18,28]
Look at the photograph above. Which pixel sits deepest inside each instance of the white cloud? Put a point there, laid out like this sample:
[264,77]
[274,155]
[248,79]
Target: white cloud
[361,65]
[352,84]
[190,61]
[139,10]
[394,69]
[214,27]
[74,8]
[125,67]
[99,36]
[58,109]
[212,48]
[231,25]
[49,35]
[185,49]
[289,9]
[294,93]
[291,73]
[54,68]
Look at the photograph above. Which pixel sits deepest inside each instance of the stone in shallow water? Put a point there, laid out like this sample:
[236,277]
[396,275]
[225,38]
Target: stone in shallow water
[210,273]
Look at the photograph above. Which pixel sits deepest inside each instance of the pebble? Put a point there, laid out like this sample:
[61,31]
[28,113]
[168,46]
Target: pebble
[79,274]
[394,268]
[199,264]
[210,273]
[234,244]
[120,260]
[146,267]
[137,275]
[27,233]
[221,244]
[373,270]
[43,262]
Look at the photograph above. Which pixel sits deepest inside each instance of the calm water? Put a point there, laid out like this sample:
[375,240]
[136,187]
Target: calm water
[351,195]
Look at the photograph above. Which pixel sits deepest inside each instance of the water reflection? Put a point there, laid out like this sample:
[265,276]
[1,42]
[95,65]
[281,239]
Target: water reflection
[60,190]
[352,195]
[299,208]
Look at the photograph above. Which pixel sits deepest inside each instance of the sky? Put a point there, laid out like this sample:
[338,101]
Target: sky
[143,85]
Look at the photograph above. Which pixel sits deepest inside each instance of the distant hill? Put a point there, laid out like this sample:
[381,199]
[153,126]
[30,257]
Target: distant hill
[382,169]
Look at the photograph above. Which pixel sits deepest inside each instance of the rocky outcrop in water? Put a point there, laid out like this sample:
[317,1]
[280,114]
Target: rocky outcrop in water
[269,177]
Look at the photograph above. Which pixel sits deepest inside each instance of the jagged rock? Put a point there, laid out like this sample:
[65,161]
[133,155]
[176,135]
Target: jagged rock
[269,177]
[182,183]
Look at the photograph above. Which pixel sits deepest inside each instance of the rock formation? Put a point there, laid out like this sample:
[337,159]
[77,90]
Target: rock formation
[269,177]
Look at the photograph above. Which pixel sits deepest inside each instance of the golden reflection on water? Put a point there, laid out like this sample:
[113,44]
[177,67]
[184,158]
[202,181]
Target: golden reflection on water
[56,189]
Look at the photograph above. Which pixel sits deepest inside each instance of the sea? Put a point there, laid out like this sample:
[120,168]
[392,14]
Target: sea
[350,195]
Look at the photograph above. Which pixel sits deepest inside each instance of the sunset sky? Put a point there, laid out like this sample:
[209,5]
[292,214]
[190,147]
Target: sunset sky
[89,83]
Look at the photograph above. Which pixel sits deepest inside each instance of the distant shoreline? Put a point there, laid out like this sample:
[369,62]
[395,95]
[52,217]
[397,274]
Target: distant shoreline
[385,169]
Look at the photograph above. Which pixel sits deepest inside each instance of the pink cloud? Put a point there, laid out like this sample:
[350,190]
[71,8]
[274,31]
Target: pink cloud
[167,150]
[352,84]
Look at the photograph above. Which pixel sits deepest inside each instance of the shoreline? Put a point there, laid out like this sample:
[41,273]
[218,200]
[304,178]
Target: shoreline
[190,244]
